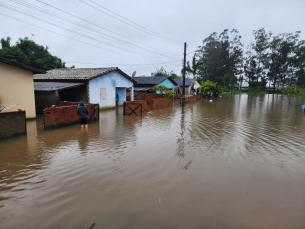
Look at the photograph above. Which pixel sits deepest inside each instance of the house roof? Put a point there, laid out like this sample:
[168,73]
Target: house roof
[20,65]
[78,74]
[152,80]
[53,86]
[188,82]
[142,88]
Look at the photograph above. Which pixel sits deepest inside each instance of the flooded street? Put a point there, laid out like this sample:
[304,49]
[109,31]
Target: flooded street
[236,162]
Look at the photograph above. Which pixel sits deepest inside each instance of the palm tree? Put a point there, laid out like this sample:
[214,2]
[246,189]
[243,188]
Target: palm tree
[193,70]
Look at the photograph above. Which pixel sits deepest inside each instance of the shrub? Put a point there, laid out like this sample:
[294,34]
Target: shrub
[169,94]
[209,88]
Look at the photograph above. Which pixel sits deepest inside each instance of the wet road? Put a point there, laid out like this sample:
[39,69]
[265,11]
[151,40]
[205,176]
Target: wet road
[238,162]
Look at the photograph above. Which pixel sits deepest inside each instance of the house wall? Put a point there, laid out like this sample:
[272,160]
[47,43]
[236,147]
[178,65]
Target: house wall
[168,84]
[17,87]
[12,124]
[110,81]
[122,94]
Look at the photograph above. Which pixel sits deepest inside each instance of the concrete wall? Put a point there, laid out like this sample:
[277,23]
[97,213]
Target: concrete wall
[12,124]
[17,87]
[44,99]
[110,81]
[168,84]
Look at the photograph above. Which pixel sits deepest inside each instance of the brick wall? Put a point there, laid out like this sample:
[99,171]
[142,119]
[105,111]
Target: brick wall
[133,105]
[59,116]
[149,97]
[66,103]
[137,95]
[191,98]
[161,102]
[12,124]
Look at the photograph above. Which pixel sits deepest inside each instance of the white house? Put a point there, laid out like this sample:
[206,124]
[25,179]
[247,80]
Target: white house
[92,85]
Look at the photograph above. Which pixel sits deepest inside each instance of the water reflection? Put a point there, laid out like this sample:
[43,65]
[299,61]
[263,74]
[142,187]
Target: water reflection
[237,155]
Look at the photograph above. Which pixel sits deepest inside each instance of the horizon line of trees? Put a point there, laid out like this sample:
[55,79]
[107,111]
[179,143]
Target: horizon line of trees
[224,59]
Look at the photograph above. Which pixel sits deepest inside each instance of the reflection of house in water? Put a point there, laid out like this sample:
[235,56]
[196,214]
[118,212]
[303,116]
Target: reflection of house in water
[112,131]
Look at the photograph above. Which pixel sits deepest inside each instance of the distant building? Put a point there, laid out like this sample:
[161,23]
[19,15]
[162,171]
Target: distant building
[190,87]
[17,86]
[146,83]
[91,85]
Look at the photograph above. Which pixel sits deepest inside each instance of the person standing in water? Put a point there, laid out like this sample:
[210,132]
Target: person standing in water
[117,98]
[82,113]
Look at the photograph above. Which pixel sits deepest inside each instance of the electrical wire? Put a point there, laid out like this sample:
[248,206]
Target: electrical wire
[151,33]
[73,22]
[92,38]
[94,24]
[68,37]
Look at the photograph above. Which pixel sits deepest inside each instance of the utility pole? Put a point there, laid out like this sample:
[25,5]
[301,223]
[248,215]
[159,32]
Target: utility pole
[183,86]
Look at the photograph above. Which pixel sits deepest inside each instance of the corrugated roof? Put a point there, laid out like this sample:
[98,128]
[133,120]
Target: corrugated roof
[152,80]
[142,88]
[53,86]
[188,82]
[20,65]
[78,74]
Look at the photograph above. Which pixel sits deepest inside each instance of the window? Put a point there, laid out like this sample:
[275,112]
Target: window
[103,93]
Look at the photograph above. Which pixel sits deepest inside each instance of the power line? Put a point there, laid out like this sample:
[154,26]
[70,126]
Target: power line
[132,21]
[73,22]
[111,64]
[68,37]
[152,58]
[94,24]
[151,33]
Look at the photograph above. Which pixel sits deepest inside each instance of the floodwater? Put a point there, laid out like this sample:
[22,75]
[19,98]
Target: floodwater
[236,162]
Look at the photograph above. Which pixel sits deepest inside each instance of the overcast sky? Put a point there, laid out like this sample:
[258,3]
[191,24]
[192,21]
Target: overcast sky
[92,39]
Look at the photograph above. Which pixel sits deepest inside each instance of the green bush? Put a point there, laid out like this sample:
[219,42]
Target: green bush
[169,94]
[208,88]
[160,88]
[293,90]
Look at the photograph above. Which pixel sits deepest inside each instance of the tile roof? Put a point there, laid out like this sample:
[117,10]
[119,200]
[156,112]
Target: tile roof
[152,80]
[188,82]
[53,86]
[78,74]
[20,65]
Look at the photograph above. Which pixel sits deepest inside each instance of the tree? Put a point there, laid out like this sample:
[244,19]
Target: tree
[28,52]
[260,47]
[220,55]
[193,69]
[160,88]
[162,72]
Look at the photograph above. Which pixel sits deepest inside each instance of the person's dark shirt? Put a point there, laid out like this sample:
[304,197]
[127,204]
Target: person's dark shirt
[82,112]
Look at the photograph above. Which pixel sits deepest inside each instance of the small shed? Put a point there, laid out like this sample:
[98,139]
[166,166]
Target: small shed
[91,85]
[145,83]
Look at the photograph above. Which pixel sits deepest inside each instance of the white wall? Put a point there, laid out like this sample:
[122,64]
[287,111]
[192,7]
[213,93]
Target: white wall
[109,81]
